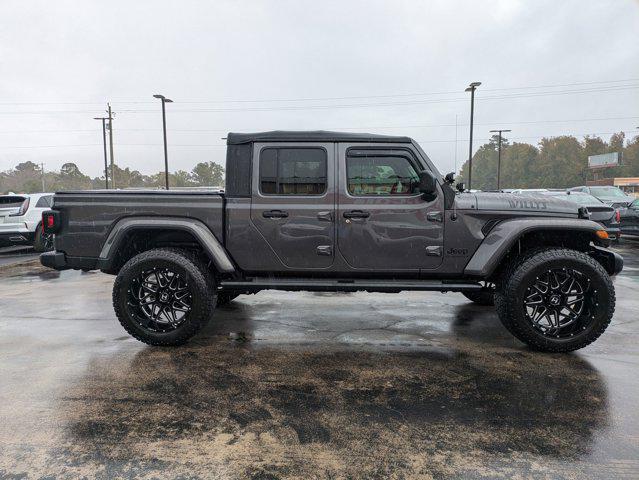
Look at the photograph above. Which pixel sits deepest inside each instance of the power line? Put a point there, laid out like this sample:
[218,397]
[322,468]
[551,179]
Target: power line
[432,125]
[343,106]
[347,97]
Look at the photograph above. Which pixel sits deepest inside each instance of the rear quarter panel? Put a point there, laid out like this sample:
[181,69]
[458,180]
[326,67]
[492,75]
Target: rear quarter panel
[88,217]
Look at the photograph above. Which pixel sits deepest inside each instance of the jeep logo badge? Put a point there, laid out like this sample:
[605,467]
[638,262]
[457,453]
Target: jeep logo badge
[457,252]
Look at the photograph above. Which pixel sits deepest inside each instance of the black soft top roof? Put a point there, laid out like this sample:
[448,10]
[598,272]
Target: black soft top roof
[311,136]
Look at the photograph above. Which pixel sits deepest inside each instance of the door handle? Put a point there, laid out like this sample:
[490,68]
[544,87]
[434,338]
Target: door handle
[325,216]
[435,216]
[274,214]
[356,214]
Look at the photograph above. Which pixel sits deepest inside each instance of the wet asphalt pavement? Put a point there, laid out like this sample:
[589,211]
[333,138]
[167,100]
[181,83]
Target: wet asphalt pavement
[13,255]
[304,385]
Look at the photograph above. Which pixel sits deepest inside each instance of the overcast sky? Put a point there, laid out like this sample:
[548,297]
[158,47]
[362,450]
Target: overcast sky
[398,67]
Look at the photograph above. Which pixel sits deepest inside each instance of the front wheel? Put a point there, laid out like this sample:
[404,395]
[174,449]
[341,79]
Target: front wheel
[556,300]
[164,297]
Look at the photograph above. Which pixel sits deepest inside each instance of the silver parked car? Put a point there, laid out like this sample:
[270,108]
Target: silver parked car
[613,196]
[601,213]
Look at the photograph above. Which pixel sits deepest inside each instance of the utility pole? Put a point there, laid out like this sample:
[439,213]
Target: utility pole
[166,155]
[106,167]
[499,156]
[110,117]
[42,173]
[471,88]
[455,144]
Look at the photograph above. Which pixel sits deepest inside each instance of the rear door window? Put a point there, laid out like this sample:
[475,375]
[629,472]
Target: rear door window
[293,171]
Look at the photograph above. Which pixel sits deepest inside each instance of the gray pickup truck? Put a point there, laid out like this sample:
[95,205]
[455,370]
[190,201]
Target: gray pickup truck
[326,211]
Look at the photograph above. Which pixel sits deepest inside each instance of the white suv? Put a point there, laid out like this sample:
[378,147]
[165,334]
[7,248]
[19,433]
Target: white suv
[20,220]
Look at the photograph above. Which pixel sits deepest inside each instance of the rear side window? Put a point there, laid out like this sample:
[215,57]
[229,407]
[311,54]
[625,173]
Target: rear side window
[11,201]
[380,175]
[45,202]
[293,171]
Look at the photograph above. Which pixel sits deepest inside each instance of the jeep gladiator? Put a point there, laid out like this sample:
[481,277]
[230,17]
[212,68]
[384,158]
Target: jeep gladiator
[327,211]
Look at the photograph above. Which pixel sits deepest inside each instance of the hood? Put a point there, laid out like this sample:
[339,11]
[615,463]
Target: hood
[509,202]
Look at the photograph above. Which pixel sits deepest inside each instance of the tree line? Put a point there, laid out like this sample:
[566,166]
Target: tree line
[28,177]
[556,162]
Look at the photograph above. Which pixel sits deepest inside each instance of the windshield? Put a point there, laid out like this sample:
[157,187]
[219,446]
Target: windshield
[581,198]
[607,191]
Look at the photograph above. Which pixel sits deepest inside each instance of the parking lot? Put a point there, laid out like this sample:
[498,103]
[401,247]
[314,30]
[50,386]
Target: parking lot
[308,385]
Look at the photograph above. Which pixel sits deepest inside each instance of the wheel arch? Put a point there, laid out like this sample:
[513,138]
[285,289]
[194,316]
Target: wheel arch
[124,239]
[511,237]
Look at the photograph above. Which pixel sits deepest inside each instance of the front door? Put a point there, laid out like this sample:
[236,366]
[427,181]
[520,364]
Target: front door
[384,223]
[293,205]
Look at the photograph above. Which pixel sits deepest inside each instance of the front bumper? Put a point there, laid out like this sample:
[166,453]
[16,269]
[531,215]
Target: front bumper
[613,232]
[611,261]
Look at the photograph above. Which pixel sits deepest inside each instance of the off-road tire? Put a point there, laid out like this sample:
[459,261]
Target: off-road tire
[40,242]
[481,297]
[224,298]
[518,275]
[202,289]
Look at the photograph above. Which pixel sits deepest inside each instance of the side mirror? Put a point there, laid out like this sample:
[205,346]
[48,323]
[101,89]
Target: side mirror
[450,178]
[427,183]
[461,186]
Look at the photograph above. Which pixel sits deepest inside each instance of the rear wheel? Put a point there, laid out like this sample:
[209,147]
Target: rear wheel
[164,297]
[556,300]
[43,242]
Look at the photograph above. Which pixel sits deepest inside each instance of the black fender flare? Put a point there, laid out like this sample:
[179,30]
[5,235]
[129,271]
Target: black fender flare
[503,236]
[214,250]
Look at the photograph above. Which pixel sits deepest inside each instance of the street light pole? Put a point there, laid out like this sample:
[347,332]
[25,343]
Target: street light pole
[499,156]
[106,166]
[471,88]
[166,154]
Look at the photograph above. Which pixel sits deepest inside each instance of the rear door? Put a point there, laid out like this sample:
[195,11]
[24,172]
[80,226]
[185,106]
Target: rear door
[383,221]
[293,202]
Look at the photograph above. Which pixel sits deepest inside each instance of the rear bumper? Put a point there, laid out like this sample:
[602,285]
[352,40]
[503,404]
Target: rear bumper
[17,237]
[60,261]
[55,260]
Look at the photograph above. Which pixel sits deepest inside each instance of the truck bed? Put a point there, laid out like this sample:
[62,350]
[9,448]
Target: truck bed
[94,213]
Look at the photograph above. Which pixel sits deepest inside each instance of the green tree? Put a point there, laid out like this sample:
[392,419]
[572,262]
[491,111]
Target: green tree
[518,165]
[561,162]
[208,174]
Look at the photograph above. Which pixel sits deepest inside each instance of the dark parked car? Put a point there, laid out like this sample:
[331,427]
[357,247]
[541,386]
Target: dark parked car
[630,219]
[601,213]
[613,196]
[327,211]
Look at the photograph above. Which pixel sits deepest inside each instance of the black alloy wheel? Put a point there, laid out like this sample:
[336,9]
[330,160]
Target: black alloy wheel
[159,299]
[164,296]
[555,299]
[558,304]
